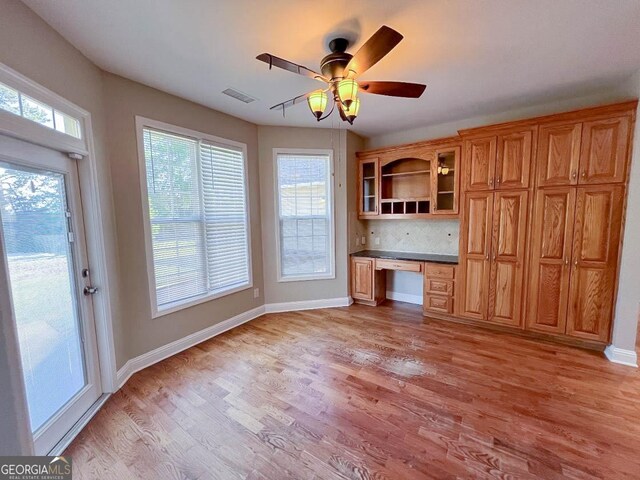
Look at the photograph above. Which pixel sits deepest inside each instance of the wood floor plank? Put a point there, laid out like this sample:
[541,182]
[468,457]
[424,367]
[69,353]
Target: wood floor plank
[368,393]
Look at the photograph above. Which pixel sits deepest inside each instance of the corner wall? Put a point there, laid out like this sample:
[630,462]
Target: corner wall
[127,99]
[304,138]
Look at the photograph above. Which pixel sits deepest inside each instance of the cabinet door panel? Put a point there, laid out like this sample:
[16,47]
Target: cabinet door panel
[558,154]
[604,151]
[513,163]
[474,265]
[596,241]
[507,262]
[362,278]
[480,164]
[551,246]
[368,204]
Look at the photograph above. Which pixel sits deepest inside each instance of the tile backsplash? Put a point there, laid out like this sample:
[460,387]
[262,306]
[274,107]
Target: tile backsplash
[422,236]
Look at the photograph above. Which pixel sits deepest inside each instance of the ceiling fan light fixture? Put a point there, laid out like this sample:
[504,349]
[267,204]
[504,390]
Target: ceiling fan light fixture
[347,91]
[317,101]
[351,112]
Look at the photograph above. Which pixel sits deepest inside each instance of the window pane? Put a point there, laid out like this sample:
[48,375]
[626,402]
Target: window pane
[36,111]
[199,221]
[9,99]
[67,124]
[305,221]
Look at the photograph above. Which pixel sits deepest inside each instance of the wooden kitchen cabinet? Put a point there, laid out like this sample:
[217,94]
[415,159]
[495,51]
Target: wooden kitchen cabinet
[605,145]
[439,288]
[368,185]
[596,240]
[509,235]
[550,267]
[368,285]
[475,245]
[513,162]
[558,156]
[480,163]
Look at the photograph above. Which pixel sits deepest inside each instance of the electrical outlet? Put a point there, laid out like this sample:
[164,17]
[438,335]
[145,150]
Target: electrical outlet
[256,292]
[377,241]
[363,240]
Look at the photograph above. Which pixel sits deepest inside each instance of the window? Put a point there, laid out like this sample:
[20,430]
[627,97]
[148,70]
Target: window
[198,227]
[18,103]
[305,215]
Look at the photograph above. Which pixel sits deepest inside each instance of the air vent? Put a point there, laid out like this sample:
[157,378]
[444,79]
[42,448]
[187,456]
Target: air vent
[243,97]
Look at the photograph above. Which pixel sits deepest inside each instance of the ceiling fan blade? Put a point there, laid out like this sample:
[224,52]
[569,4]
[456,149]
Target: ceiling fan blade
[393,89]
[291,102]
[380,43]
[274,61]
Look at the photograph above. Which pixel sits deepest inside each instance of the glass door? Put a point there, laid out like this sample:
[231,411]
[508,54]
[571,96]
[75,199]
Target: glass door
[368,187]
[44,242]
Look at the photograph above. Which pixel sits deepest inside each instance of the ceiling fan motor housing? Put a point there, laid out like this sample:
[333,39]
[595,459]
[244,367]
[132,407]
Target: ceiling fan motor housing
[332,66]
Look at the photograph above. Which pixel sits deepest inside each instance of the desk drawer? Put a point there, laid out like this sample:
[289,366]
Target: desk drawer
[438,303]
[439,270]
[384,264]
[439,286]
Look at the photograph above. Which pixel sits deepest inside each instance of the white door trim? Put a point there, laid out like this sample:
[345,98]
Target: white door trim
[88,172]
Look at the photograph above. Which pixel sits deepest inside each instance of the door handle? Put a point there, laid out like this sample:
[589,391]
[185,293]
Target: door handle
[90,290]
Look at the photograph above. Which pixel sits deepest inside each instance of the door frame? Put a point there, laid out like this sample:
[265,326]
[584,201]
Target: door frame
[26,130]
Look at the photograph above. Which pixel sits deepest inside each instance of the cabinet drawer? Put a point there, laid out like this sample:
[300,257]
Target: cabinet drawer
[438,270]
[383,264]
[438,303]
[439,286]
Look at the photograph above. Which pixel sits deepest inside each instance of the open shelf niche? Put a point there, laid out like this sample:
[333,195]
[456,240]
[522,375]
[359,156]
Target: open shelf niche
[405,187]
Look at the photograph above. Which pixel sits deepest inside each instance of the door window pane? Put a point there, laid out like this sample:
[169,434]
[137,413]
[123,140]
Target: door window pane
[33,210]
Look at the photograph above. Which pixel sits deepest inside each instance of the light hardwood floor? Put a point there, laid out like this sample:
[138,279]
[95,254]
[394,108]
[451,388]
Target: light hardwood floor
[368,393]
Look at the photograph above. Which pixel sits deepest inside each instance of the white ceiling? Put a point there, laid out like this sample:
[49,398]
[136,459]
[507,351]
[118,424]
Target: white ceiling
[476,57]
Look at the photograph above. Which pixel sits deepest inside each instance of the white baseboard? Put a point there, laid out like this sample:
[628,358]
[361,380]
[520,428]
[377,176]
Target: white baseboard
[308,305]
[621,356]
[404,297]
[154,356]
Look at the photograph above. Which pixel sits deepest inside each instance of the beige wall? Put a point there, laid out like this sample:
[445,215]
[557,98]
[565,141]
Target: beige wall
[303,138]
[126,100]
[29,46]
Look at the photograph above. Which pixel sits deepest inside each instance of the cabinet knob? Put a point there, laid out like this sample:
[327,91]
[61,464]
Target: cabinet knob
[576,263]
[574,174]
[584,174]
[498,180]
[566,261]
[490,182]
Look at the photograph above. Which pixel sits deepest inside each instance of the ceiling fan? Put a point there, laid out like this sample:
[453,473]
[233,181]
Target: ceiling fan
[339,73]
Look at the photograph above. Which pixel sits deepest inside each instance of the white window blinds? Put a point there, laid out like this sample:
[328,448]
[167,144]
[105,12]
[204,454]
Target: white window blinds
[198,217]
[305,216]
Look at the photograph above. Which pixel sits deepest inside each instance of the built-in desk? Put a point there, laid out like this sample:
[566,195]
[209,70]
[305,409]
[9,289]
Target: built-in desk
[368,277]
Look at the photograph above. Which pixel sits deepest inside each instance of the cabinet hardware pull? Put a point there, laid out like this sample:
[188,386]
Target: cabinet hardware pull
[576,263]
[584,174]
[574,174]
[566,261]
[498,180]
[490,182]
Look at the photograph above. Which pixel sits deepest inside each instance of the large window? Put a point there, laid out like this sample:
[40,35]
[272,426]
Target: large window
[305,214]
[197,231]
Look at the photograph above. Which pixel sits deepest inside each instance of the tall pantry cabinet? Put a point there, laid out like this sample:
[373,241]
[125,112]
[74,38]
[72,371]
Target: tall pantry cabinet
[541,223]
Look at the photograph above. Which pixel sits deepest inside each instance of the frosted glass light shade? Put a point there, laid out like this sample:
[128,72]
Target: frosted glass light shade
[317,101]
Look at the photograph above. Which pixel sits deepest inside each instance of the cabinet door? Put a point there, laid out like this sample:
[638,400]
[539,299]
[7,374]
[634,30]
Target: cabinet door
[513,164]
[558,154]
[368,188]
[479,164]
[604,151]
[475,242]
[507,257]
[551,245]
[596,240]
[445,173]
[362,278]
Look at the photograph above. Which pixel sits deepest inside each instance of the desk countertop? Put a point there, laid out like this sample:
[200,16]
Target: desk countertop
[416,257]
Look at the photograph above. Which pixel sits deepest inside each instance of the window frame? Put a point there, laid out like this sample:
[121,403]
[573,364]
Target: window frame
[141,124]
[332,224]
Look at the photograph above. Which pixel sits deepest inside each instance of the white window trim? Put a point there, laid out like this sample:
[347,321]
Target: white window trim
[141,124]
[332,241]
[30,131]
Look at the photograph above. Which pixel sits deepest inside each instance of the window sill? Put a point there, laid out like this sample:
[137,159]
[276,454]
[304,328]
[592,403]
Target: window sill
[304,278]
[192,302]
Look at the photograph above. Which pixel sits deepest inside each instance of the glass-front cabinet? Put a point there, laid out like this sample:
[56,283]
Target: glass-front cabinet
[368,187]
[416,182]
[445,181]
